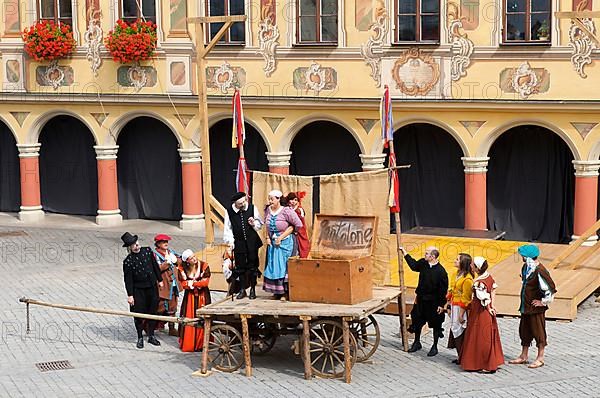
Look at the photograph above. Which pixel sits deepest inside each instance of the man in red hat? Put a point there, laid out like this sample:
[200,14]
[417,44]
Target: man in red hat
[168,294]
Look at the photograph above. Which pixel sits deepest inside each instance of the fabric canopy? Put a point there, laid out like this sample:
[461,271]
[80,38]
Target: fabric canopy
[10,185]
[68,172]
[149,171]
[530,186]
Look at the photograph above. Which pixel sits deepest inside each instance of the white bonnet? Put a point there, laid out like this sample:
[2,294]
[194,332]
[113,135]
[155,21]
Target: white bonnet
[187,253]
[478,261]
[276,193]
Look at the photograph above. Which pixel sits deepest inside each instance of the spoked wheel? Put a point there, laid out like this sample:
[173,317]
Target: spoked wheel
[263,337]
[327,349]
[225,350]
[367,335]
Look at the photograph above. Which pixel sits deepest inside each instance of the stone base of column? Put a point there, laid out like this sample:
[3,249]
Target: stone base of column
[31,213]
[109,218]
[192,223]
[591,241]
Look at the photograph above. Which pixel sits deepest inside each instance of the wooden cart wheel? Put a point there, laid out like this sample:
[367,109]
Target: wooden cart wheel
[327,349]
[367,335]
[225,350]
[263,337]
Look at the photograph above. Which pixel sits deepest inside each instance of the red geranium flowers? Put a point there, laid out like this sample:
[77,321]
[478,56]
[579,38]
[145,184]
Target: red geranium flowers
[47,41]
[131,42]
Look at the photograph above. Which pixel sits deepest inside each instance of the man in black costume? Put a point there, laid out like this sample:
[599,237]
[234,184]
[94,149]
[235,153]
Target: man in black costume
[241,223]
[430,297]
[142,277]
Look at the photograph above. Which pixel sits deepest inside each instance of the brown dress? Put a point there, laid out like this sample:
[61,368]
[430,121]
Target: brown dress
[482,349]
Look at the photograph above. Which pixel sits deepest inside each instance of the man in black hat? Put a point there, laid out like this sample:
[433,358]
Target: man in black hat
[142,275]
[241,223]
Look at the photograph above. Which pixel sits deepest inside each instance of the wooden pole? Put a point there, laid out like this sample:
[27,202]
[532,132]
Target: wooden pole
[306,347]
[402,296]
[347,358]
[110,312]
[246,344]
[204,364]
[201,53]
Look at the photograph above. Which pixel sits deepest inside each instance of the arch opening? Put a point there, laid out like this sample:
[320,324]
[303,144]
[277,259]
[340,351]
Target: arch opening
[10,184]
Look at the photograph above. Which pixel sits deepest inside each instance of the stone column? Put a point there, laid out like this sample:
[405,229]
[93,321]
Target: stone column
[191,180]
[108,187]
[475,193]
[586,198]
[372,162]
[31,202]
[279,162]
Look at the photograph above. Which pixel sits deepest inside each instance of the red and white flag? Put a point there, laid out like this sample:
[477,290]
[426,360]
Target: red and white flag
[242,177]
[387,134]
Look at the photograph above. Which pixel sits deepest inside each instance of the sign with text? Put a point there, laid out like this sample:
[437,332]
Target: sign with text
[343,236]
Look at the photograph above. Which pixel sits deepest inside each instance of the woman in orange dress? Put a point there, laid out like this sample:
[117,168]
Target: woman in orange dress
[301,241]
[194,276]
[482,350]
[459,297]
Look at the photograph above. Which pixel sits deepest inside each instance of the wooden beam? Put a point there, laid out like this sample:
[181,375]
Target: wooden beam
[577,14]
[584,29]
[584,256]
[217,19]
[575,245]
[215,40]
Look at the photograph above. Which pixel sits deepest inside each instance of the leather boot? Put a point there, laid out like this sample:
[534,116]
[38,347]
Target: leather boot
[241,294]
[172,330]
[416,346]
[252,292]
[140,343]
[433,351]
[153,340]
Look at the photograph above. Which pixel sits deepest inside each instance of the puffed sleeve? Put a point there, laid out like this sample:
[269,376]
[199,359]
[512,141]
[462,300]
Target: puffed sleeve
[482,294]
[128,275]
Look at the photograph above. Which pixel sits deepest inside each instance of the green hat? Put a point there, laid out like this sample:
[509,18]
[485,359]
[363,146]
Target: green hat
[530,251]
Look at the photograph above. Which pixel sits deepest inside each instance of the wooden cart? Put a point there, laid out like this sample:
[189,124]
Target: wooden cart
[332,336]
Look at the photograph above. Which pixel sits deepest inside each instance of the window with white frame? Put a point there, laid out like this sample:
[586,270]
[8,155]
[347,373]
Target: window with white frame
[236,34]
[132,10]
[317,22]
[58,11]
[527,21]
[417,21]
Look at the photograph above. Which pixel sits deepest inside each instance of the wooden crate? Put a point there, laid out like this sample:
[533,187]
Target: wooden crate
[338,270]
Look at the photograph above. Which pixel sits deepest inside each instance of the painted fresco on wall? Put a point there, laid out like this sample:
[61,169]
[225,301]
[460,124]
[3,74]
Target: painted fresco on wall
[315,78]
[225,77]
[268,11]
[40,76]
[367,12]
[124,81]
[469,12]
[415,73]
[12,20]
[13,71]
[525,80]
[178,16]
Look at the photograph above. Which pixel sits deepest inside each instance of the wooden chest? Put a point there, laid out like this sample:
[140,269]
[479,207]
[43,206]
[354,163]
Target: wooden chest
[338,270]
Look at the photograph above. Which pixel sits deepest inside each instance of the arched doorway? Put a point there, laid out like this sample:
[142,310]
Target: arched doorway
[324,147]
[530,185]
[224,158]
[10,184]
[149,171]
[432,190]
[68,169]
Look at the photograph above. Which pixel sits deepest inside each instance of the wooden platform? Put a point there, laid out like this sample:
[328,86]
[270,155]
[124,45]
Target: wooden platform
[264,305]
[574,285]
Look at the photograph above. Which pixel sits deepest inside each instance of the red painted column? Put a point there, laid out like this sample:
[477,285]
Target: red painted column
[475,193]
[279,162]
[586,197]
[372,162]
[108,187]
[191,180]
[31,203]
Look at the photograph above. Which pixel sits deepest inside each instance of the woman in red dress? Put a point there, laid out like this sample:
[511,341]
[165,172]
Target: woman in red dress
[302,242]
[194,276]
[482,350]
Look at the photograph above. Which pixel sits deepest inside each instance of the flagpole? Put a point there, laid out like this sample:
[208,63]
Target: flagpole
[402,296]
[388,138]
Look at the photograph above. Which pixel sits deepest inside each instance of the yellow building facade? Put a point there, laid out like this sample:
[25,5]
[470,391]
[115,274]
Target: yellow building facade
[509,86]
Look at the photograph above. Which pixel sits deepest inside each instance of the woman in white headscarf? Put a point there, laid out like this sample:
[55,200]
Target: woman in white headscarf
[194,276]
[280,222]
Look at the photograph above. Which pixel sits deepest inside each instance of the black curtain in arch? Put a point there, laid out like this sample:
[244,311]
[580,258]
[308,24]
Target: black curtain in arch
[10,184]
[68,169]
[324,148]
[224,158]
[149,171]
[432,190]
[531,186]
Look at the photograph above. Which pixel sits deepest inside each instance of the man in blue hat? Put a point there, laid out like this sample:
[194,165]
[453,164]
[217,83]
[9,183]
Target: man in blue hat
[537,292]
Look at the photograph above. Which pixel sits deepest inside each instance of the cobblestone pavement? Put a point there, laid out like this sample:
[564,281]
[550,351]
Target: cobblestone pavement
[84,267]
